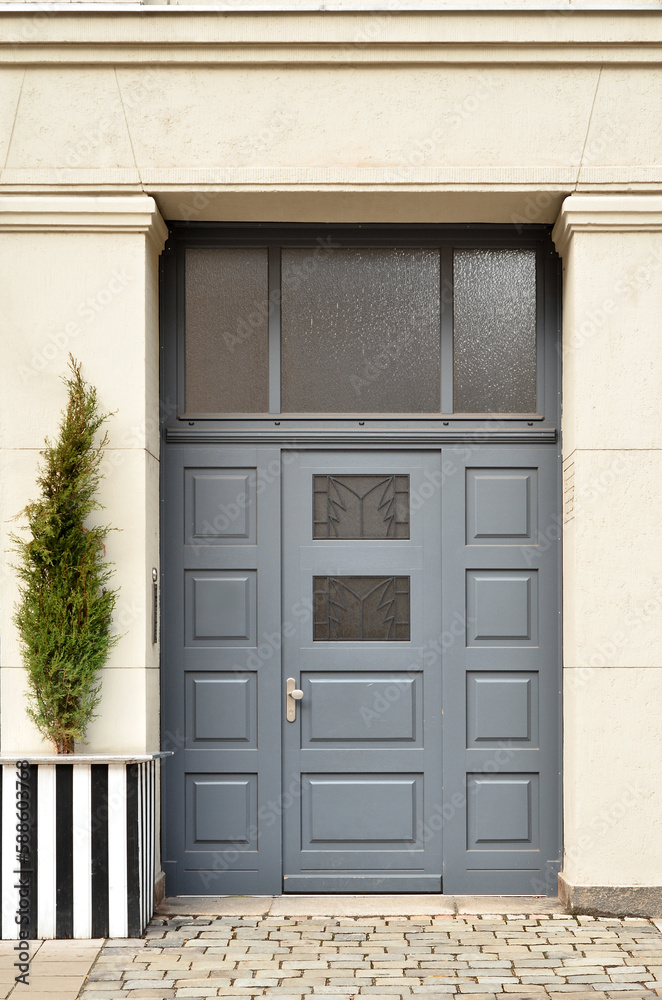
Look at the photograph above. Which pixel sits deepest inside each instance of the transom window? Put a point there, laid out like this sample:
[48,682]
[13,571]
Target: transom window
[424,322]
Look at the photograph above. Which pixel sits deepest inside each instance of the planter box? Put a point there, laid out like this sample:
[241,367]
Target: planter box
[77,845]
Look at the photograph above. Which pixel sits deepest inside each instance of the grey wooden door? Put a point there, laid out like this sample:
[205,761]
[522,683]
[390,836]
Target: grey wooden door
[361,608]
[399,590]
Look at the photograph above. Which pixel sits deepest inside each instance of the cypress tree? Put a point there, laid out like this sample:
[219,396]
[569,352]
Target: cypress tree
[64,615]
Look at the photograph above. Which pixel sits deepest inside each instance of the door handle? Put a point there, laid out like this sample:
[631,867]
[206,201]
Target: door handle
[293,696]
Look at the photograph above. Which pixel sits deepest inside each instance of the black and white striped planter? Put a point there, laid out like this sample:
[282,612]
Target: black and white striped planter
[77,845]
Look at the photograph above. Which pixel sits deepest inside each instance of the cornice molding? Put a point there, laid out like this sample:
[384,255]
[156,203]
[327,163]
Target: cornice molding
[249,178]
[355,6]
[164,53]
[181,35]
[618,213]
[52,213]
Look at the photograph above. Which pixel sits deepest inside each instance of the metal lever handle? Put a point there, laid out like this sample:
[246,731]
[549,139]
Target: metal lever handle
[293,696]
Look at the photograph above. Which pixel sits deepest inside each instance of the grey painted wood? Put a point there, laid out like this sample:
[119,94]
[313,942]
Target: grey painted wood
[500,565]
[221,670]
[362,803]
[340,434]
[362,762]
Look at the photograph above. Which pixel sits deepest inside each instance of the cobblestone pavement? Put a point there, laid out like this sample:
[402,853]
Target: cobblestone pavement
[384,958]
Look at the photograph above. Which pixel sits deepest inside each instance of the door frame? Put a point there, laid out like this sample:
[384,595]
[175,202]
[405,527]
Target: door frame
[317,431]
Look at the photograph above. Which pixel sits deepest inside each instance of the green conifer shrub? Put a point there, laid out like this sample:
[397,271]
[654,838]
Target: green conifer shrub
[64,615]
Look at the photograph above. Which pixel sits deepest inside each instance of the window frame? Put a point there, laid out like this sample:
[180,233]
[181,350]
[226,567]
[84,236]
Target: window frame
[445,237]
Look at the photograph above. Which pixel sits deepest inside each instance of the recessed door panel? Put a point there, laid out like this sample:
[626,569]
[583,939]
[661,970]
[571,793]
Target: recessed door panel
[503,812]
[221,506]
[374,708]
[360,812]
[502,607]
[502,506]
[221,709]
[221,606]
[221,811]
[502,707]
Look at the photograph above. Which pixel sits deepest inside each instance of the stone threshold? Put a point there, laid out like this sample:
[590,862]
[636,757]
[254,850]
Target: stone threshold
[356,906]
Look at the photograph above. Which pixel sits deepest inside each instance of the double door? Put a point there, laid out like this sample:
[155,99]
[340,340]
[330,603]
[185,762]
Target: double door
[360,677]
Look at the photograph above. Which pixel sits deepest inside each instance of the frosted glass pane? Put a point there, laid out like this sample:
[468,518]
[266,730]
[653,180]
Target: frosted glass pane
[360,331]
[494,342]
[227,331]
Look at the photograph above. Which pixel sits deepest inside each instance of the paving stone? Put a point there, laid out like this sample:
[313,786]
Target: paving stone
[256,982]
[391,991]
[195,972]
[620,987]
[347,980]
[596,977]
[481,996]
[542,980]
[193,995]
[281,994]
[568,988]
[489,963]
[524,991]
[148,984]
[487,980]
[440,991]
[393,980]
[94,994]
[312,955]
[305,965]
[264,972]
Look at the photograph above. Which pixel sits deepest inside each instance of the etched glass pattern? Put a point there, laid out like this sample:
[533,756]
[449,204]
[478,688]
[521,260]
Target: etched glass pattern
[360,506]
[361,608]
[227,331]
[360,331]
[494,337]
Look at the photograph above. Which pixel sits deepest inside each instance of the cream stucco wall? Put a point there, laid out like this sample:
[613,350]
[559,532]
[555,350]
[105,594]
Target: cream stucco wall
[374,116]
[612,356]
[94,294]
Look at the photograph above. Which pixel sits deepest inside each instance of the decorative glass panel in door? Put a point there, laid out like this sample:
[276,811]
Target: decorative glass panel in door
[360,608]
[361,506]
